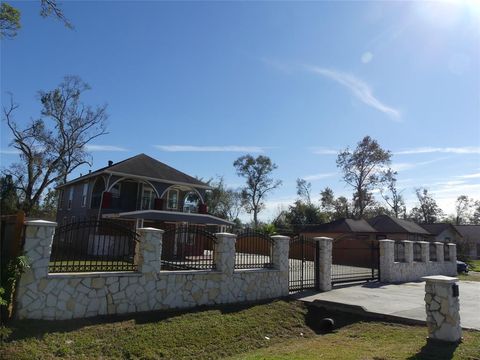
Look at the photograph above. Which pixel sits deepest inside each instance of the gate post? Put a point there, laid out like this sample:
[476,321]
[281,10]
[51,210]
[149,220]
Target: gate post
[324,263]
[149,252]
[387,258]
[224,255]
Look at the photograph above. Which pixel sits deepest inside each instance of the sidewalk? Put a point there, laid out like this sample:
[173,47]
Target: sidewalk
[404,301]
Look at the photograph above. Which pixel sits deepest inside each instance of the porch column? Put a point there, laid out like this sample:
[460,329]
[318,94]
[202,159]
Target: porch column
[387,258]
[325,263]
[224,255]
[150,250]
[280,252]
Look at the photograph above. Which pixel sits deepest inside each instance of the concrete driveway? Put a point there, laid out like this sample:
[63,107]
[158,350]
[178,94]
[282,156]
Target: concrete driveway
[398,300]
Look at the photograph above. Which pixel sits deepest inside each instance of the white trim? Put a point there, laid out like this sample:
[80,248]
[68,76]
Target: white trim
[187,191]
[160,180]
[131,178]
[139,212]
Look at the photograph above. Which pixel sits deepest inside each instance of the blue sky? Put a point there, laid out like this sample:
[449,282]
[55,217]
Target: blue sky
[196,85]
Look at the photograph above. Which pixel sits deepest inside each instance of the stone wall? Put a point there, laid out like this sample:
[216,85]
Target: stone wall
[443,308]
[411,270]
[78,295]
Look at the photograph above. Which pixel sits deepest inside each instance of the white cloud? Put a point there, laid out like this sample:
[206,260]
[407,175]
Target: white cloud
[324,151]
[9,152]
[98,148]
[359,88]
[194,148]
[315,177]
[367,57]
[402,166]
[470,176]
[446,150]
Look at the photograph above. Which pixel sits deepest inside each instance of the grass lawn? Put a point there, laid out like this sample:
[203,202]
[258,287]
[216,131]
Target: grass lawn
[275,330]
[471,276]
[474,265]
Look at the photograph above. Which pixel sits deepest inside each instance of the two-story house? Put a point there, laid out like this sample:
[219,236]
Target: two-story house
[141,191]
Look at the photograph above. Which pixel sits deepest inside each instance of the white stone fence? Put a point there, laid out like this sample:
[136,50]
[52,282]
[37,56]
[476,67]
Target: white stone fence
[413,260]
[57,296]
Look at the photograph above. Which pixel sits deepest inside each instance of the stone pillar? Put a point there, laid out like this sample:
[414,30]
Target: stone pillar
[387,258]
[150,250]
[425,251]
[452,250]
[443,308]
[281,246]
[224,255]
[325,263]
[439,251]
[37,249]
[408,248]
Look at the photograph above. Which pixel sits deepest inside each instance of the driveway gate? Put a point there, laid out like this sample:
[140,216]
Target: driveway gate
[303,261]
[355,259]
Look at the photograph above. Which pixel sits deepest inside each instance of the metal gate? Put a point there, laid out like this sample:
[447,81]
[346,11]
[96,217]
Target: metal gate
[355,259]
[304,269]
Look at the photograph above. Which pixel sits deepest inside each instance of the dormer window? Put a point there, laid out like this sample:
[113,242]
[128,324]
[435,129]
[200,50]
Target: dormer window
[172,199]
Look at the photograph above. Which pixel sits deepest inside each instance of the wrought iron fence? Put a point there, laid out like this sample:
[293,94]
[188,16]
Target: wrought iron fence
[433,251]
[446,252]
[188,248]
[399,252]
[93,245]
[417,252]
[253,250]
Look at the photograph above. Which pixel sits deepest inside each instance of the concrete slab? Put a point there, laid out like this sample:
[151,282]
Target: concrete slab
[398,300]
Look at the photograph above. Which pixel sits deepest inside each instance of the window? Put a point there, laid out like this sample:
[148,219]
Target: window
[60,199]
[84,194]
[172,199]
[70,198]
[148,196]
[115,191]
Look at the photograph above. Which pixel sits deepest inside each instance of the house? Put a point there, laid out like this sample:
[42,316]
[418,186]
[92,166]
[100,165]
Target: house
[470,245]
[443,232]
[342,228]
[389,227]
[140,191]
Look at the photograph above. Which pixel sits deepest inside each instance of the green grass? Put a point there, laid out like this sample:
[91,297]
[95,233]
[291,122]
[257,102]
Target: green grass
[471,276]
[276,330]
[474,265]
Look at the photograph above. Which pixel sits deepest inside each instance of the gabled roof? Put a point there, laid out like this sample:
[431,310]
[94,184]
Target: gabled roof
[342,226]
[389,224]
[471,232]
[436,229]
[144,166]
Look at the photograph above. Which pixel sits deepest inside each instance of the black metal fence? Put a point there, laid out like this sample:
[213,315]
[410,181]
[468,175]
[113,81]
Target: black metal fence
[253,250]
[399,251]
[303,263]
[446,252]
[93,245]
[188,248]
[354,259]
[433,251]
[417,252]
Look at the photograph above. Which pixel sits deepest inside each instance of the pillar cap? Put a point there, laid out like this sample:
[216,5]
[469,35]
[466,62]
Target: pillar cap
[225,234]
[279,237]
[151,229]
[440,279]
[40,223]
[322,238]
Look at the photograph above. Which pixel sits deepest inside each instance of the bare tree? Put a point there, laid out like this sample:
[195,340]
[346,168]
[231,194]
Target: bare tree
[391,195]
[463,206]
[304,190]
[363,169]
[256,172]
[428,212]
[53,146]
